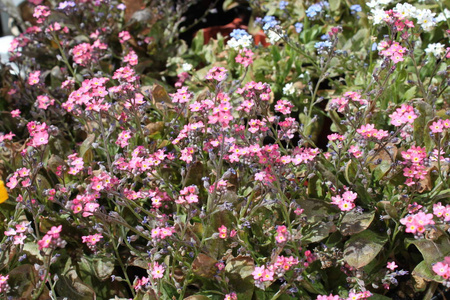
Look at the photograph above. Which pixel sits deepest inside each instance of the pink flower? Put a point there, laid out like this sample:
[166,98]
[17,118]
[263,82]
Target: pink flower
[442,269]
[157,271]
[437,127]
[34,77]
[15,113]
[39,139]
[222,232]
[258,272]
[124,36]
[45,242]
[391,265]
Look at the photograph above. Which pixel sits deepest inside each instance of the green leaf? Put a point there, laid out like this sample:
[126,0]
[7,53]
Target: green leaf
[239,272]
[421,132]
[25,280]
[410,93]
[70,285]
[85,148]
[353,222]
[424,272]
[103,267]
[432,251]
[362,248]
[334,5]
[317,232]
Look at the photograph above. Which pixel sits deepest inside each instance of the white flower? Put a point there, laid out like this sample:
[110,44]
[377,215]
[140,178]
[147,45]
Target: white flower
[436,49]
[425,18]
[273,36]
[289,89]
[405,9]
[378,15]
[243,42]
[186,67]
[443,16]
[378,3]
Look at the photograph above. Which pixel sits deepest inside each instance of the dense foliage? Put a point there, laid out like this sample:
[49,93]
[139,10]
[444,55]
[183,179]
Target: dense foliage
[305,156]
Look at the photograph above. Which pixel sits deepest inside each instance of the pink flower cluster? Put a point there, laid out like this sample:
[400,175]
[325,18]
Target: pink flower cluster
[6,137]
[52,239]
[76,164]
[41,12]
[392,50]
[284,107]
[441,211]
[188,195]
[18,234]
[90,96]
[369,131]
[231,296]
[217,73]
[85,203]
[342,103]
[253,93]
[4,287]
[282,265]
[44,101]
[191,127]
[403,115]
[442,268]
[103,181]
[282,234]
[92,240]
[187,154]
[125,74]
[223,232]
[398,20]
[123,137]
[440,125]
[351,296]
[131,58]
[414,168]
[245,57]
[82,53]
[181,96]
[21,175]
[417,223]
[142,162]
[155,271]
[162,232]
[33,79]
[124,36]
[39,134]
[345,202]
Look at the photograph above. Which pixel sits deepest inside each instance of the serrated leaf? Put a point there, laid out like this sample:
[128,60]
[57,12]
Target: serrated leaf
[362,248]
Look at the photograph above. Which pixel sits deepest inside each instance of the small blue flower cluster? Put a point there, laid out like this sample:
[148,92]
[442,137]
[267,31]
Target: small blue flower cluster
[316,9]
[355,8]
[298,27]
[283,4]
[268,21]
[322,46]
[239,33]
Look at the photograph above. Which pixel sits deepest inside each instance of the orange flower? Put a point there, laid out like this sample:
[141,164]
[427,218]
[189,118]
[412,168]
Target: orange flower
[3,192]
